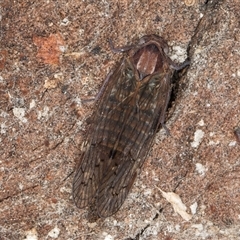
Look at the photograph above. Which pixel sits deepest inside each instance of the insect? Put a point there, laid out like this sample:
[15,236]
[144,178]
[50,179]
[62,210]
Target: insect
[127,116]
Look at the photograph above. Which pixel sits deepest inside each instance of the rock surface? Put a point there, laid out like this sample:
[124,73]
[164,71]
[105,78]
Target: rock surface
[54,54]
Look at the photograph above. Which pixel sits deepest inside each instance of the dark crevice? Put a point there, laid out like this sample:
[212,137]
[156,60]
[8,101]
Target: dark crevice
[139,234]
[147,226]
[68,175]
[17,193]
[177,86]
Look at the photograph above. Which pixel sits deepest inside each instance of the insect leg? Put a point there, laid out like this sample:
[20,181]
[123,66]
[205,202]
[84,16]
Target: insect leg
[105,83]
[120,49]
[178,67]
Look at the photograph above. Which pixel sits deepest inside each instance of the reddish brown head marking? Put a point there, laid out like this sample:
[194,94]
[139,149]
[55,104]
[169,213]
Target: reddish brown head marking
[148,60]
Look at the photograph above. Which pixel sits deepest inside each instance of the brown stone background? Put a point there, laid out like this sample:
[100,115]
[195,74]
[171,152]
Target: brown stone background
[54,54]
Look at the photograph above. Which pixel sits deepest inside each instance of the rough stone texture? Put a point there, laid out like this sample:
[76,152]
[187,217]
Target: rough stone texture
[54,54]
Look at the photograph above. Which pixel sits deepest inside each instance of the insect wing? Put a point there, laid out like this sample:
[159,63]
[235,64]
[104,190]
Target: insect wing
[125,122]
[137,132]
[92,163]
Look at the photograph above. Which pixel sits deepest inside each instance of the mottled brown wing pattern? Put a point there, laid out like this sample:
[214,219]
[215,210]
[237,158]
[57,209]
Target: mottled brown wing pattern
[133,141]
[127,121]
[123,127]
